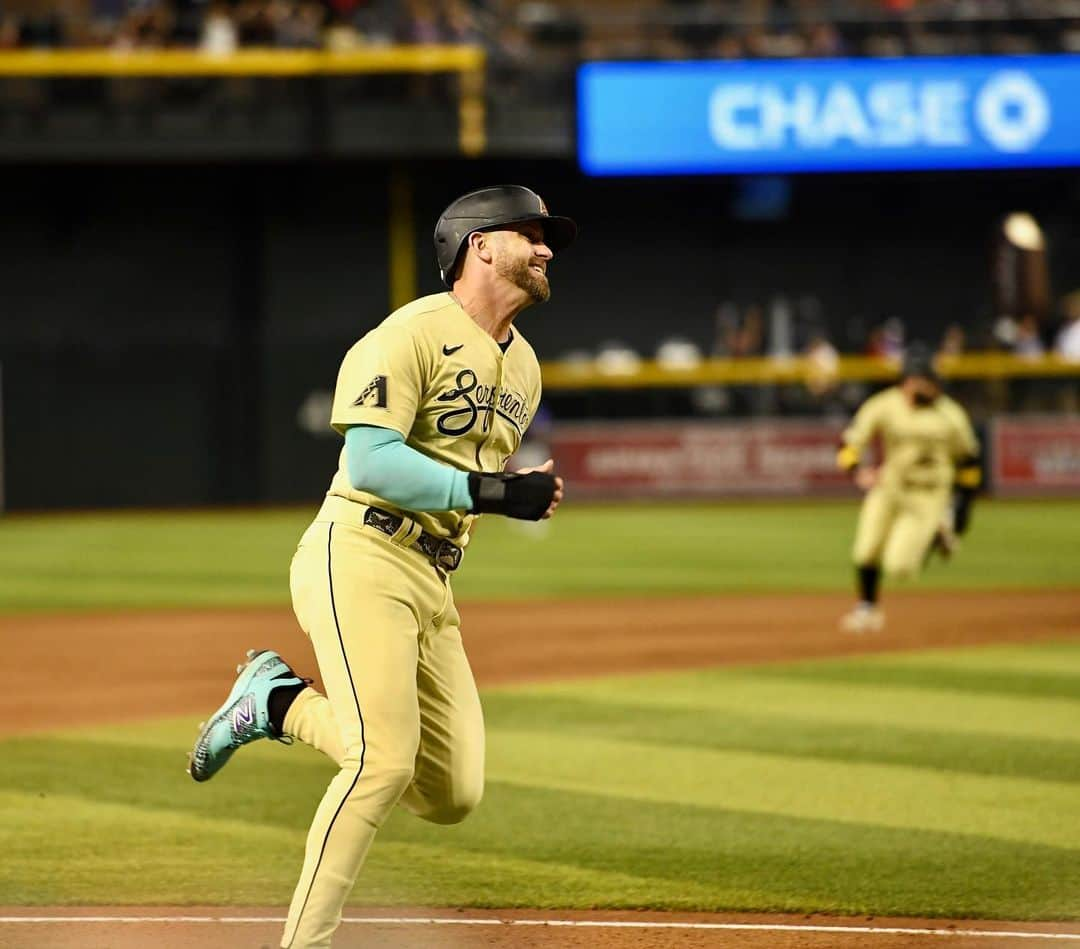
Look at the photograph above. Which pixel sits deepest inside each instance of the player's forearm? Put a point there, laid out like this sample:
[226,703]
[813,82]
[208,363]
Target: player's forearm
[380,463]
[967,483]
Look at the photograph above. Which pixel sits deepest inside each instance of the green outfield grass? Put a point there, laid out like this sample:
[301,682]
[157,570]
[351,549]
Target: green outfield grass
[943,783]
[241,557]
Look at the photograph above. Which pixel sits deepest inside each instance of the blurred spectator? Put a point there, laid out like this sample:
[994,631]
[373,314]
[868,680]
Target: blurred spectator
[781,329]
[1067,344]
[146,26]
[421,23]
[1032,395]
[952,343]
[822,364]
[461,23]
[255,25]
[342,34]
[298,27]
[1028,343]
[678,353]
[824,41]
[887,341]
[219,34]
[735,336]
[666,30]
[9,32]
[616,358]
[728,46]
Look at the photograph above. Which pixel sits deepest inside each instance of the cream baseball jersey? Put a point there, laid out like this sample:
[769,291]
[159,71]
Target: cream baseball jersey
[429,372]
[921,444]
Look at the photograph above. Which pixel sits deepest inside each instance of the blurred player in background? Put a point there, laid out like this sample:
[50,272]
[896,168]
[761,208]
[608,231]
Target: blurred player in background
[930,455]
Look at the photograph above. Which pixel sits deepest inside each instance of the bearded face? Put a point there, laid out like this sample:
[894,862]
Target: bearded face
[517,260]
[922,391]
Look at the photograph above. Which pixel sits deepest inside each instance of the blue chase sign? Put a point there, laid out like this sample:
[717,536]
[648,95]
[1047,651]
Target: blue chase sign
[828,115]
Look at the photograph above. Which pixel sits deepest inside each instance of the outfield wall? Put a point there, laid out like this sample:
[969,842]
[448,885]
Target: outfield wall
[1035,456]
[1025,456]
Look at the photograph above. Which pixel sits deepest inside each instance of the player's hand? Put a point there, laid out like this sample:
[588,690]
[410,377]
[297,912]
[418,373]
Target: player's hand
[548,467]
[866,478]
[945,541]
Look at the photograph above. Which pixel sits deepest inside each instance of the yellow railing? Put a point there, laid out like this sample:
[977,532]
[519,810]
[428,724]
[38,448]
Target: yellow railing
[766,371]
[466,61]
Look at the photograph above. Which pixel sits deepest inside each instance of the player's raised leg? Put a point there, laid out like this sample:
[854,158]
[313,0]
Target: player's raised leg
[913,533]
[363,602]
[449,778]
[876,517]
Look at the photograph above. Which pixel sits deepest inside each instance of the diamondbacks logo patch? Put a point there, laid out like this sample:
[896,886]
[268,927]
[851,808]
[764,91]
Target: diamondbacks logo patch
[377,388]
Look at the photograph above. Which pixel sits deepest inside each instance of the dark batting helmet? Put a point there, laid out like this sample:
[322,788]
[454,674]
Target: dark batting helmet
[919,361]
[488,210]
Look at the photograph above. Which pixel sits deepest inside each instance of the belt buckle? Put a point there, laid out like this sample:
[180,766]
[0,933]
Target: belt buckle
[448,556]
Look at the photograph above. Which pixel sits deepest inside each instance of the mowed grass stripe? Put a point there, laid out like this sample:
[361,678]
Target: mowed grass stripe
[217,558]
[1037,658]
[267,785]
[399,872]
[129,750]
[530,846]
[773,862]
[1044,670]
[791,735]
[940,678]
[1001,808]
[815,698]
[65,848]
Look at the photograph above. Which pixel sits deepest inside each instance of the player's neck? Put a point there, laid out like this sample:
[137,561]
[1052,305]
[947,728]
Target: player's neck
[493,311]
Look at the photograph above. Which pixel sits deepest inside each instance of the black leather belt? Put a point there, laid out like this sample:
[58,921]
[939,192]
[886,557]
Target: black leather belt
[442,553]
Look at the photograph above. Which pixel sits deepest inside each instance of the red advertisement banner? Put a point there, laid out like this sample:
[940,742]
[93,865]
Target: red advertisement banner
[700,459]
[1036,455]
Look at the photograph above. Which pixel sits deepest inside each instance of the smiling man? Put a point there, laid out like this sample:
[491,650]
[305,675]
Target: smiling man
[431,403]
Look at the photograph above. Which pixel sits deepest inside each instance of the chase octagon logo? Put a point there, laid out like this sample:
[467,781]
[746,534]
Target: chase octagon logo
[1012,111]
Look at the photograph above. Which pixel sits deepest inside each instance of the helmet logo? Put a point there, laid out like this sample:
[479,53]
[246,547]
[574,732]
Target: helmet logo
[543,207]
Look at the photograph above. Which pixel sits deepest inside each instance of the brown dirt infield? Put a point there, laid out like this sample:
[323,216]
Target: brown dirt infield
[77,669]
[217,928]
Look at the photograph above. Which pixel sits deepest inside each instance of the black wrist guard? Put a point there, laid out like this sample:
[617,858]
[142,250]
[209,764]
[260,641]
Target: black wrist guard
[524,496]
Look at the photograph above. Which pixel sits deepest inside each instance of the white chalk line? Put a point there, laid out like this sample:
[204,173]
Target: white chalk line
[583,923]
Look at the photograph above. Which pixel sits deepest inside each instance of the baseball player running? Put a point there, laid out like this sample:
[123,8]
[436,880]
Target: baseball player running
[929,447]
[431,403]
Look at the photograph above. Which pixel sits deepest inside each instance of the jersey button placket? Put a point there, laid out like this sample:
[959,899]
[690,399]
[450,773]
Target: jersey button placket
[492,414]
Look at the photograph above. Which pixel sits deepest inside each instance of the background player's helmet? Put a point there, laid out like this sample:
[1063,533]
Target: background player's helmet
[489,209]
[919,361]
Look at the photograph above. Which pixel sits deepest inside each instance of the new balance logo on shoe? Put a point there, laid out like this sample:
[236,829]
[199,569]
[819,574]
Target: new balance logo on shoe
[244,714]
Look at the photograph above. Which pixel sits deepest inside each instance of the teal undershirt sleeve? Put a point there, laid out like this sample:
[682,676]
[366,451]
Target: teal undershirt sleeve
[379,462]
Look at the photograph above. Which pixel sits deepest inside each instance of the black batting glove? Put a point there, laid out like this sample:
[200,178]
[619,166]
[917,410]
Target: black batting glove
[524,496]
[962,502]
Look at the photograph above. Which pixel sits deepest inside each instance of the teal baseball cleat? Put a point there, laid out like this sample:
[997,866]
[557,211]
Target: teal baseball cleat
[245,716]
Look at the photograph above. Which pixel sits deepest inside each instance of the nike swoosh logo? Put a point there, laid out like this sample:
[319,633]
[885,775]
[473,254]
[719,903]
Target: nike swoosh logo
[450,350]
